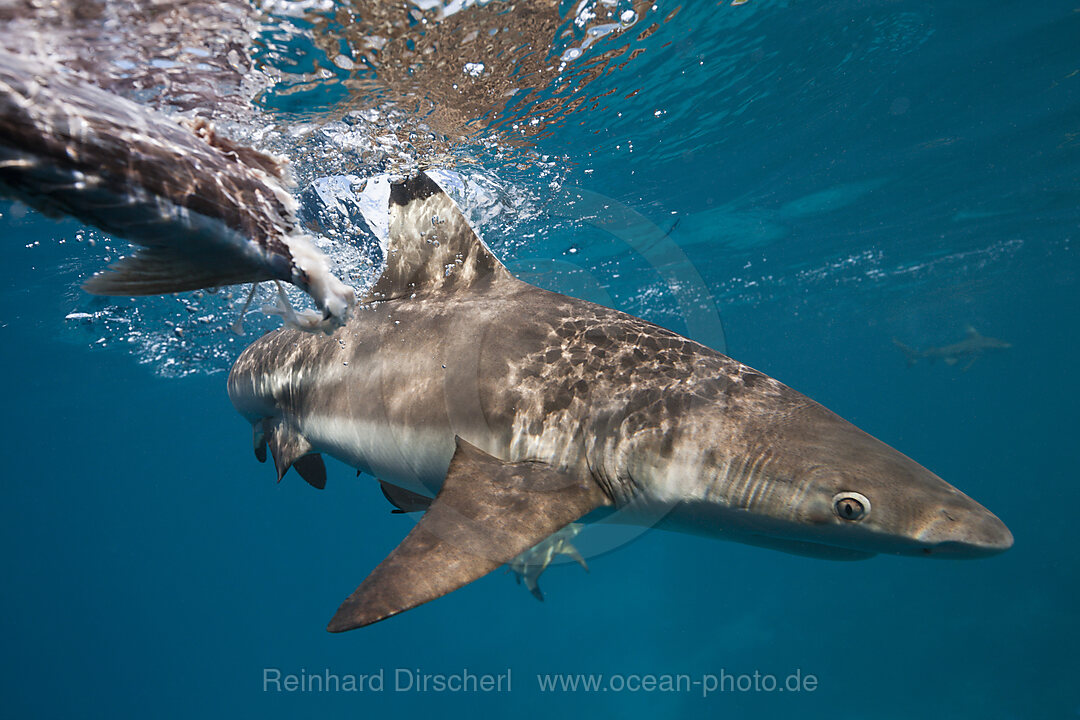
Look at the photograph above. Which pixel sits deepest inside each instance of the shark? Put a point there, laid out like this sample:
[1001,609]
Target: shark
[511,412]
[971,348]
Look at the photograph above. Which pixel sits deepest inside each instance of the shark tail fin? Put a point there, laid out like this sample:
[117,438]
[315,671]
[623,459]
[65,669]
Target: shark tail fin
[162,270]
[205,210]
[431,246]
[910,354]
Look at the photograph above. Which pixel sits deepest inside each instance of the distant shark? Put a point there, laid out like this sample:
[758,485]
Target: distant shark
[521,410]
[971,348]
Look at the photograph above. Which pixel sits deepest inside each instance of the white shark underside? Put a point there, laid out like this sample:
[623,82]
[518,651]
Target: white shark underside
[521,410]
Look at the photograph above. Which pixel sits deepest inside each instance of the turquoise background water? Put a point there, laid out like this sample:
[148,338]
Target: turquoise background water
[838,177]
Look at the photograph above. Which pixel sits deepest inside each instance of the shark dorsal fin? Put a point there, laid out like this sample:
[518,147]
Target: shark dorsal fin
[431,246]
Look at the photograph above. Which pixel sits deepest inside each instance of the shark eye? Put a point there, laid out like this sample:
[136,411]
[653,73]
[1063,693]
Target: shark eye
[851,506]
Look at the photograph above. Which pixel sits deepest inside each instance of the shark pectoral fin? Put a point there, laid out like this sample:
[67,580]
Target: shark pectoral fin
[487,512]
[951,360]
[312,469]
[288,447]
[404,501]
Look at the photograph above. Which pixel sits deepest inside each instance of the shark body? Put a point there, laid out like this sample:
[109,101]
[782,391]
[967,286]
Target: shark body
[971,348]
[521,410]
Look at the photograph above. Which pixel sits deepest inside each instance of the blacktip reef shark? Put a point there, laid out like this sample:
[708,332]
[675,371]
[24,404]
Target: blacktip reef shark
[521,410]
[207,211]
[971,348]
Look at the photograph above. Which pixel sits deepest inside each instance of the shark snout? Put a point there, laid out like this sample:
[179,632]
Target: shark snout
[967,532]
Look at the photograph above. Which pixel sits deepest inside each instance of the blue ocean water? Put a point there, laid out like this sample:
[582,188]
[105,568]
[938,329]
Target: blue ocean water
[836,177]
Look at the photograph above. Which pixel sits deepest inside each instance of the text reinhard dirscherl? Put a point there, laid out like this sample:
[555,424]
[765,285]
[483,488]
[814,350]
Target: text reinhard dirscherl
[405,680]
[400,680]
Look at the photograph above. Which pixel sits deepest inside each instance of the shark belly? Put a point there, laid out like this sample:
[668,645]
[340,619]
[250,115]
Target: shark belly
[412,458]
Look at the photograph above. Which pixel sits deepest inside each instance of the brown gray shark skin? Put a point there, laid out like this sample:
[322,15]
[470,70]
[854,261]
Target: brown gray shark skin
[207,212]
[455,379]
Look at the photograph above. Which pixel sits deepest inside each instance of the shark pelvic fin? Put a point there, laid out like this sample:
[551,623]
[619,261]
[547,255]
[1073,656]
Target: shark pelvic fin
[404,501]
[291,449]
[487,512]
[431,245]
